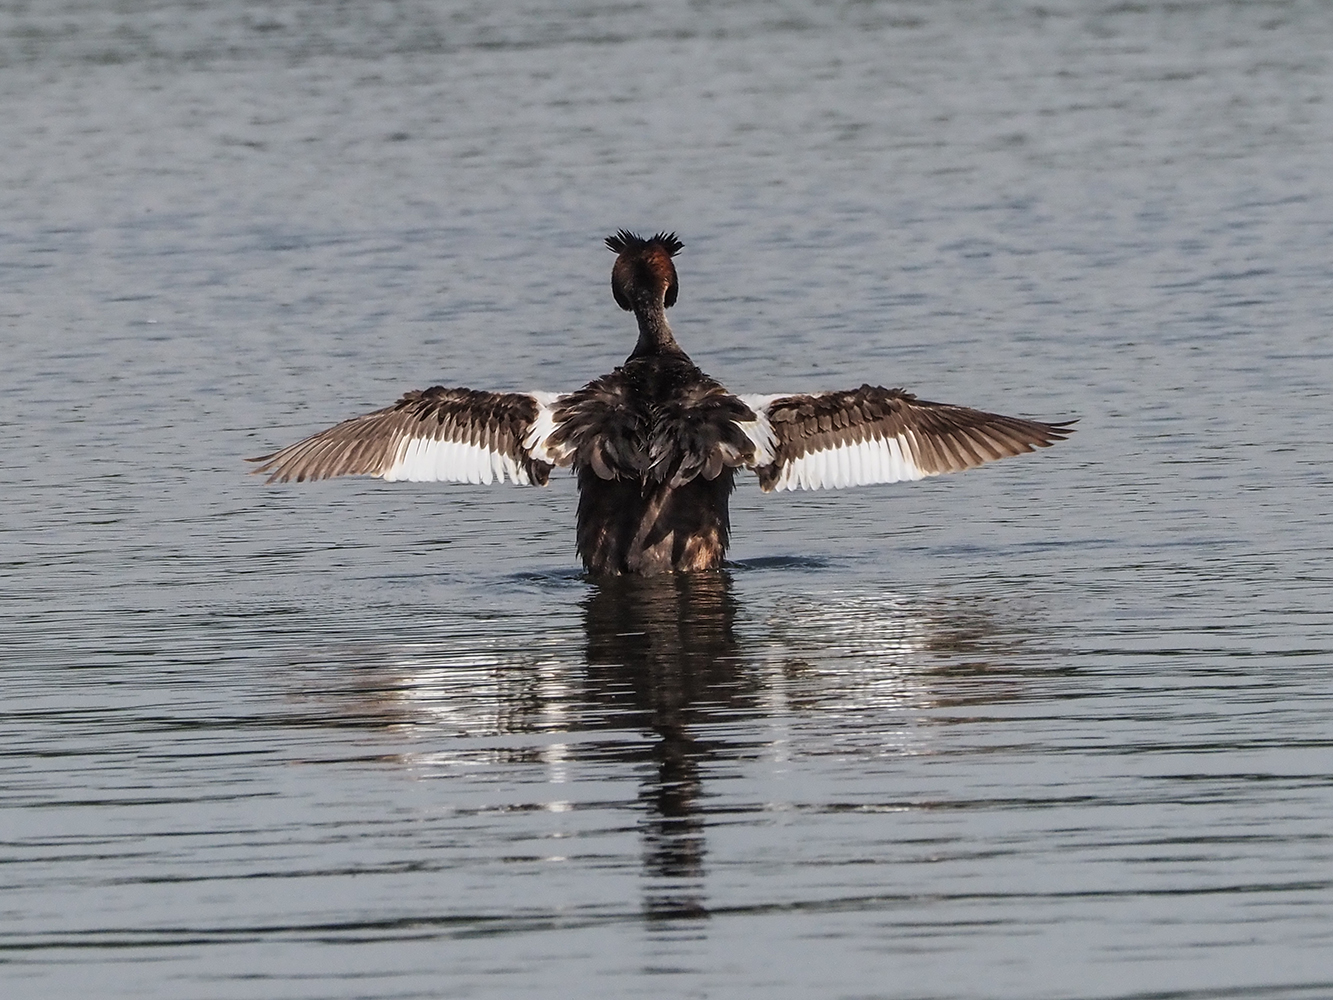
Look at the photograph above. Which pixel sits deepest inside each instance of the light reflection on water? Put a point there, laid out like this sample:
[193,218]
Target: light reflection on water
[673,679]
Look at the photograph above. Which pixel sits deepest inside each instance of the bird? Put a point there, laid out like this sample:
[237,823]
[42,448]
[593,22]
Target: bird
[656,443]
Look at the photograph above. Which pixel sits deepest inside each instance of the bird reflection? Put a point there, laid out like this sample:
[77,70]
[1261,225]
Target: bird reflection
[868,670]
[664,650]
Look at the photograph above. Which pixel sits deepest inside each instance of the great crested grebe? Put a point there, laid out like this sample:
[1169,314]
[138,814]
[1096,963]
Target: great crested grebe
[656,443]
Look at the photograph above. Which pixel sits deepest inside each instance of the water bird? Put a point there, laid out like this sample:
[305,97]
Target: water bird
[656,443]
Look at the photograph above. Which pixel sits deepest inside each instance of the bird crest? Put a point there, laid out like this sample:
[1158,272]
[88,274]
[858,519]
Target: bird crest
[625,241]
[643,267]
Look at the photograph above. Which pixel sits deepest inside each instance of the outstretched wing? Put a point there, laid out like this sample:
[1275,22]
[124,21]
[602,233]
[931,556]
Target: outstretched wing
[431,435]
[877,435]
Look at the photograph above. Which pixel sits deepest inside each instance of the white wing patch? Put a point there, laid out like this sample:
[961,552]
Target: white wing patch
[537,441]
[428,459]
[858,463]
[759,430]
[875,460]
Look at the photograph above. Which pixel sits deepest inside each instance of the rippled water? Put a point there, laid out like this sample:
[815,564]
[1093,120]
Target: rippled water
[1055,728]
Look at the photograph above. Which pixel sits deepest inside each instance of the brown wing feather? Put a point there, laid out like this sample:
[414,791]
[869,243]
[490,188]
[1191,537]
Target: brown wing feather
[371,443]
[940,437]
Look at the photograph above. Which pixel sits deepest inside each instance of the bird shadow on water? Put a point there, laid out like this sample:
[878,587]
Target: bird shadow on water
[675,678]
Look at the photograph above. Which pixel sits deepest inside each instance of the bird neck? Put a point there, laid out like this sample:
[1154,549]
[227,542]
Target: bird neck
[655,336]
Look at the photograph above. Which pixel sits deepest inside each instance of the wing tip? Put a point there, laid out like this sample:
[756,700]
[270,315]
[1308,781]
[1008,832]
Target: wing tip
[264,464]
[1053,431]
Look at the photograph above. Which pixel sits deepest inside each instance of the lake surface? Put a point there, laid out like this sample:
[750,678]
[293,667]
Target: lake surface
[1057,728]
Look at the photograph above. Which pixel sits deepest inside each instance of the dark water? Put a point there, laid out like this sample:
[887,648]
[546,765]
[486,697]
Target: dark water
[1060,728]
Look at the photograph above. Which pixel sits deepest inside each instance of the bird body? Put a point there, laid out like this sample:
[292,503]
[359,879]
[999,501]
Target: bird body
[656,443]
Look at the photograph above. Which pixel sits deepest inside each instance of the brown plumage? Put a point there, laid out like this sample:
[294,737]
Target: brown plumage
[370,444]
[940,437]
[656,443]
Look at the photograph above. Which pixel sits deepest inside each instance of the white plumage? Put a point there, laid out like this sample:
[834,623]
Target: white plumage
[759,430]
[536,442]
[853,463]
[860,463]
[432,455]
[429,460]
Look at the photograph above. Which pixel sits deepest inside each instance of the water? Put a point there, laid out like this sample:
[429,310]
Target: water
[1054,728]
